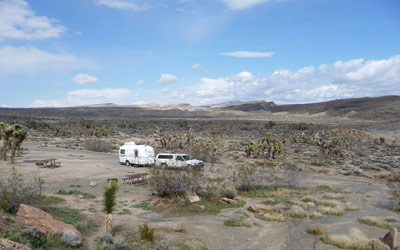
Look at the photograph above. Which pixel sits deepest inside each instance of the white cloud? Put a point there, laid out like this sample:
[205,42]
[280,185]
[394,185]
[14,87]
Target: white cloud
[353,78]
[122,5]
[242,4]
[87,97]
[248,54]
[18,21]
[30,59]
[169,78]
[141,82]
[5,106]
[200,68]
[84,79]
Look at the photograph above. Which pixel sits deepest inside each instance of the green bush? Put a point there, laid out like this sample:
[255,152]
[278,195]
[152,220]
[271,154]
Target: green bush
[146,233]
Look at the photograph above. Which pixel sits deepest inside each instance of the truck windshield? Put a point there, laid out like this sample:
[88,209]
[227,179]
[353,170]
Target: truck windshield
[187,157]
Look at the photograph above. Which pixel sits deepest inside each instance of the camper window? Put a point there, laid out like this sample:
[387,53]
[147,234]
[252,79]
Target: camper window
[122,151]
[136,153]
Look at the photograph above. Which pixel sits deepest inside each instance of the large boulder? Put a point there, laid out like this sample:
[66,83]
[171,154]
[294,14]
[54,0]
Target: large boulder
[392,239]
[9,244]
[35,217]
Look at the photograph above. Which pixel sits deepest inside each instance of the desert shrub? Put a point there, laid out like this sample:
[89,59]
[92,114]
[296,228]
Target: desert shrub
[146,233]
[176,182]
[299,126]
[394,186]
[318,229]
[97,145]
[164,245]
[237,220]
[35,236]
[15,191]
[229,193]
[269,124]
[294,175]
[71,239]
[249,178]
[109,242]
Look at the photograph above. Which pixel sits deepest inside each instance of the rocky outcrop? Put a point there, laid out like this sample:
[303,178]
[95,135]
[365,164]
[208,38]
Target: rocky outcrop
[392,239]
[9,244]
[35,217]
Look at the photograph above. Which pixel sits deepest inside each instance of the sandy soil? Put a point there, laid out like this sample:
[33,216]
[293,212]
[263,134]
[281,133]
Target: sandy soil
[82,167]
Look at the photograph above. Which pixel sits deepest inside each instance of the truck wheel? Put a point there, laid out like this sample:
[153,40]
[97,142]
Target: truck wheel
[127,163]
[164,166]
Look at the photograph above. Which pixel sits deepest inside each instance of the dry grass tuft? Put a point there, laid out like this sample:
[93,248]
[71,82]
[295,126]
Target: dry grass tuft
[379,222]
[295,212]
[315,215]
[349,207]
[333,196]
[272,217]
[318,229]
[355,240]
[336,211]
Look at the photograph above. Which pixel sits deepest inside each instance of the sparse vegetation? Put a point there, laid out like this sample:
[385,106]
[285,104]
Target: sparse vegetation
[76,192]
[16,190]
[354,240]
[394,186]
[318,229]
[146,233]
[97,145]
[380,222]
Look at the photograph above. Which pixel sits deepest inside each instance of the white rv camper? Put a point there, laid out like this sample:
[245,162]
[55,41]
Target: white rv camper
[132,154]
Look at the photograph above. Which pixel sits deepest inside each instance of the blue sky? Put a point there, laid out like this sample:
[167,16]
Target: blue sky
[79,52]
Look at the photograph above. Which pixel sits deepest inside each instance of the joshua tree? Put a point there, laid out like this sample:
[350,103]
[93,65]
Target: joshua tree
[18,136]
[249,147]
[109,202]
[6,132]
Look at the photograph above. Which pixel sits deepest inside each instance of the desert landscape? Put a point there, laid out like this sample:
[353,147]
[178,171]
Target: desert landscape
[308,176]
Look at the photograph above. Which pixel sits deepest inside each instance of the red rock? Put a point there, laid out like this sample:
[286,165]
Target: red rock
[260,208]
[229,201]
[35,217]
[9,244]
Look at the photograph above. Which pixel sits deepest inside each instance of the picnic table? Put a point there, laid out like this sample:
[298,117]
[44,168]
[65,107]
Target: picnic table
[48,163]
[135,178]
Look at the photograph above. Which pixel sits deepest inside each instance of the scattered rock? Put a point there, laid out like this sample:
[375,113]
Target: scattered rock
[9,244]
[71,239]
[259,208]
[392,239]
[229,201]
[35,217]
[93,184]
[193,197]
[310,204]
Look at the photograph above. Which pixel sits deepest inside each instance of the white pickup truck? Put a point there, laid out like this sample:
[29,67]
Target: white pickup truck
[167,160]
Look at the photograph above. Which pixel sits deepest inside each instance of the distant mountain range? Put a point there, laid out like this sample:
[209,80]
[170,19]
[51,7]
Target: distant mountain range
[368,108]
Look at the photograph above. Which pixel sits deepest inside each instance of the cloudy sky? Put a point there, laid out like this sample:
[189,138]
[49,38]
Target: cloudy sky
[79,52]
